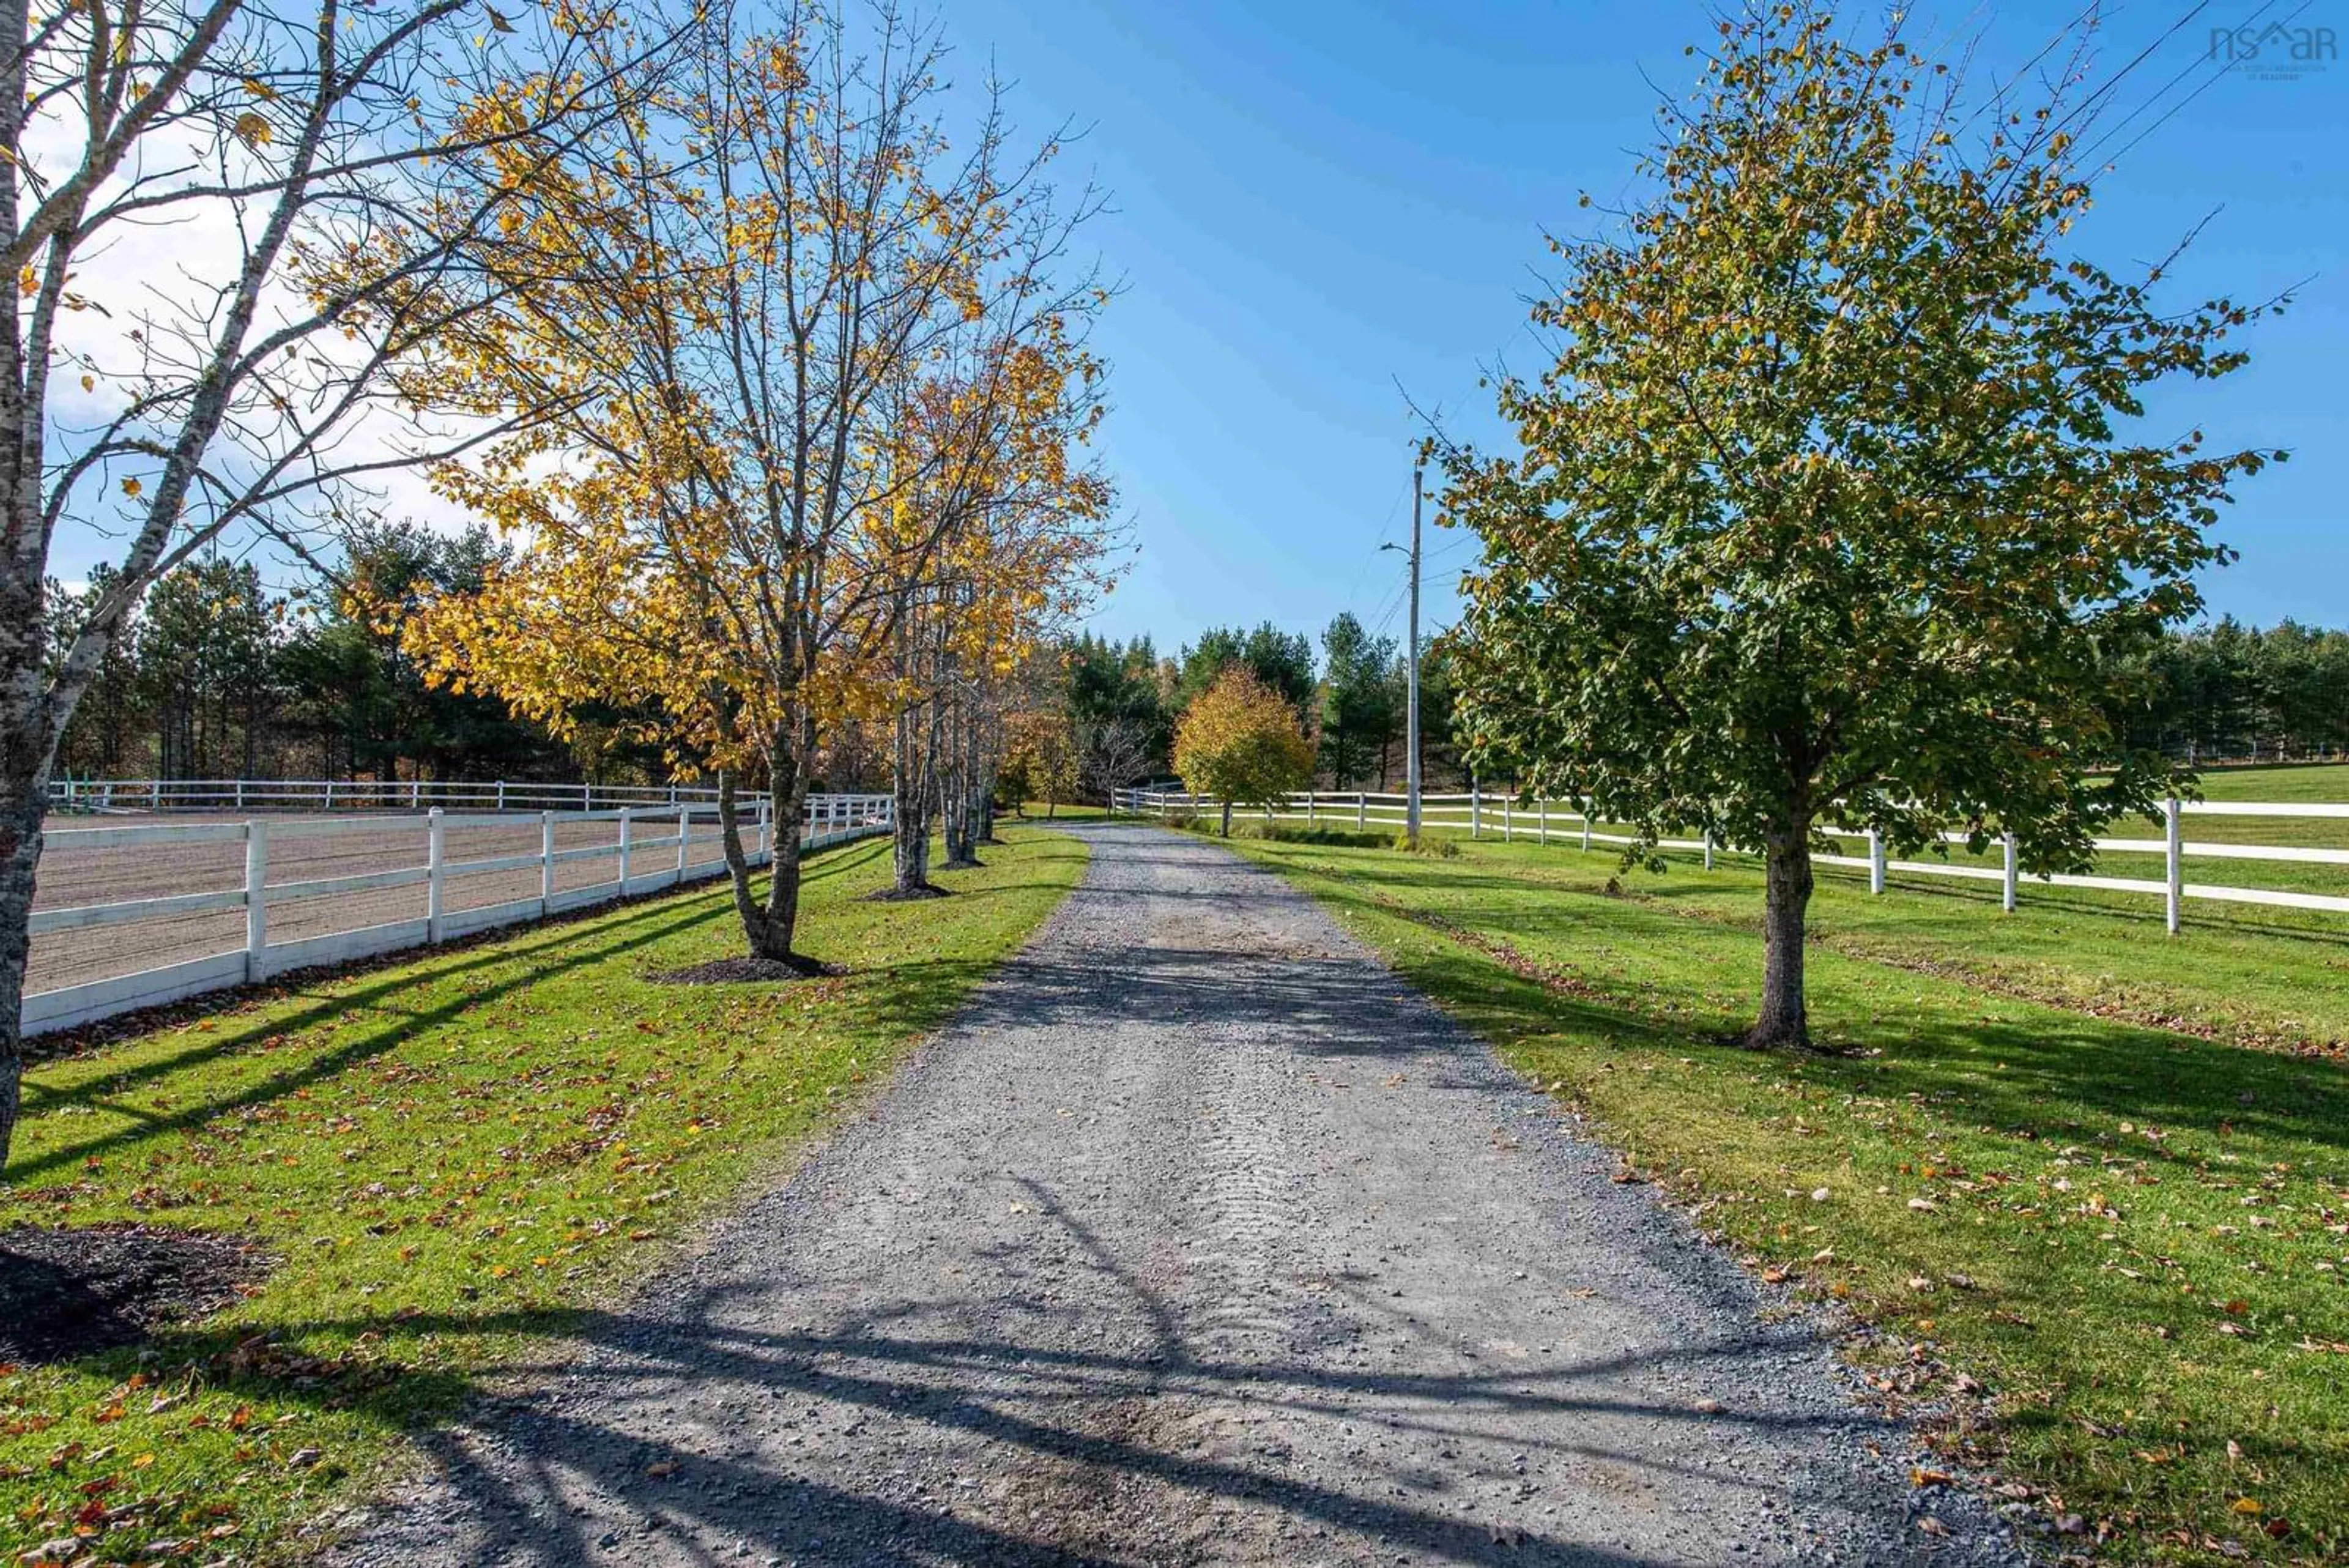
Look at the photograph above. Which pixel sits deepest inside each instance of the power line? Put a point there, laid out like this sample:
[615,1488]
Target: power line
[1392,603]
[2088,103]
[1354,594]
[2232,61]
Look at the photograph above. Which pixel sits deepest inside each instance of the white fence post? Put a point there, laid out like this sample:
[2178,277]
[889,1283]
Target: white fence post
[1362,809]
[330,795]
[2175,861]
[240,794]
[415,793]
[1586,825]
[1708,850]
[436,880]
[2006,898]
[684,837]
[256,897]
[1308,808]
[1508,818]
[1875,861]
[627,816]
[766,846]
[502,794]
[1541,821]
[545,861]
[1475,810]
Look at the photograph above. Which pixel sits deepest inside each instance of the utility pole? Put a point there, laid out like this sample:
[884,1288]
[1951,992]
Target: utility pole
[1411,706]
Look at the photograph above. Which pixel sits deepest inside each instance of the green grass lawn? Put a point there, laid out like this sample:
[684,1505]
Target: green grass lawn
[2134,1240]
[2278,780]
[446,1157]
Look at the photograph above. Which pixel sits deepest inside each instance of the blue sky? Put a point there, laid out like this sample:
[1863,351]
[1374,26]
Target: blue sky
[1314,203]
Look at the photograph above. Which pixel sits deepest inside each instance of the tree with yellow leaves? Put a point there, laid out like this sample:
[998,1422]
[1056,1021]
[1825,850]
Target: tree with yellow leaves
[736,304]
[1240,743]
[1022,548]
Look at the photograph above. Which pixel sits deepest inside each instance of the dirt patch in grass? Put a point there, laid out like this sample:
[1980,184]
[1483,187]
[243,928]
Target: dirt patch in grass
[746,972]
[71,1291]
[907,895]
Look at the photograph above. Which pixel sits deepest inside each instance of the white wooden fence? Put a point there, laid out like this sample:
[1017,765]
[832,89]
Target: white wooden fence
[1557,822]
[361,795]
[638,867]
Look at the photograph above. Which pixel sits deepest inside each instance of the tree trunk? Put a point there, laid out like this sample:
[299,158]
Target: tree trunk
[983,792]
[962,809]
[738,863]
[22,804]
[1228,819]
[771,931]
[909,840]
[1787,882]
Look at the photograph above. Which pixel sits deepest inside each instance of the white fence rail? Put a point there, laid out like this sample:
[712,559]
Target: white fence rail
[1549,822]
[641,865]
[361,795]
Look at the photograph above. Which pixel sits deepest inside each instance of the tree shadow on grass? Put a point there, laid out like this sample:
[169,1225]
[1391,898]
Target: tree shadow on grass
[557,949]
[2052,1066]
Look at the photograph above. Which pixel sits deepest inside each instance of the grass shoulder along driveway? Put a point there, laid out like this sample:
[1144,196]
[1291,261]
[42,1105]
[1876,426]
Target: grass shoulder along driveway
[434,1164]
[2106,1261]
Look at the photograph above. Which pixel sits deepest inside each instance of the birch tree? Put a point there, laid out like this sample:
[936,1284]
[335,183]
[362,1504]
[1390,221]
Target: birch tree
[186,357]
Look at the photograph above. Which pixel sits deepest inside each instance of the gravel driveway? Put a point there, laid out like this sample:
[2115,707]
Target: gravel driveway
[1199,1239]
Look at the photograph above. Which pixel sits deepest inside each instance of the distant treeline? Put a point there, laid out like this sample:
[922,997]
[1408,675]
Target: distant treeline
[2229,692]
[1124,700]
[220,678]
[2223,693]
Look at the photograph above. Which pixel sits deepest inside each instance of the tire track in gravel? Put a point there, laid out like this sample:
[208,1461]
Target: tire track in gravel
[1198,1239]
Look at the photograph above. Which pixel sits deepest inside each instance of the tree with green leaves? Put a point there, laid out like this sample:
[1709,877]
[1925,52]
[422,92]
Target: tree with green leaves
[1282,661]
[1240,743]
[1826,507]
[205,647]
[1114,701]
[1358,700]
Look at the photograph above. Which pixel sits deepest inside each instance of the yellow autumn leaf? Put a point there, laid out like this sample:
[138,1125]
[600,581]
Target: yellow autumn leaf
[131,487]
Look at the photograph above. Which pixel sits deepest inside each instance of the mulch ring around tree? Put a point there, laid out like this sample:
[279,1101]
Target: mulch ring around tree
[73,1290]
[919,891]
[747,971]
